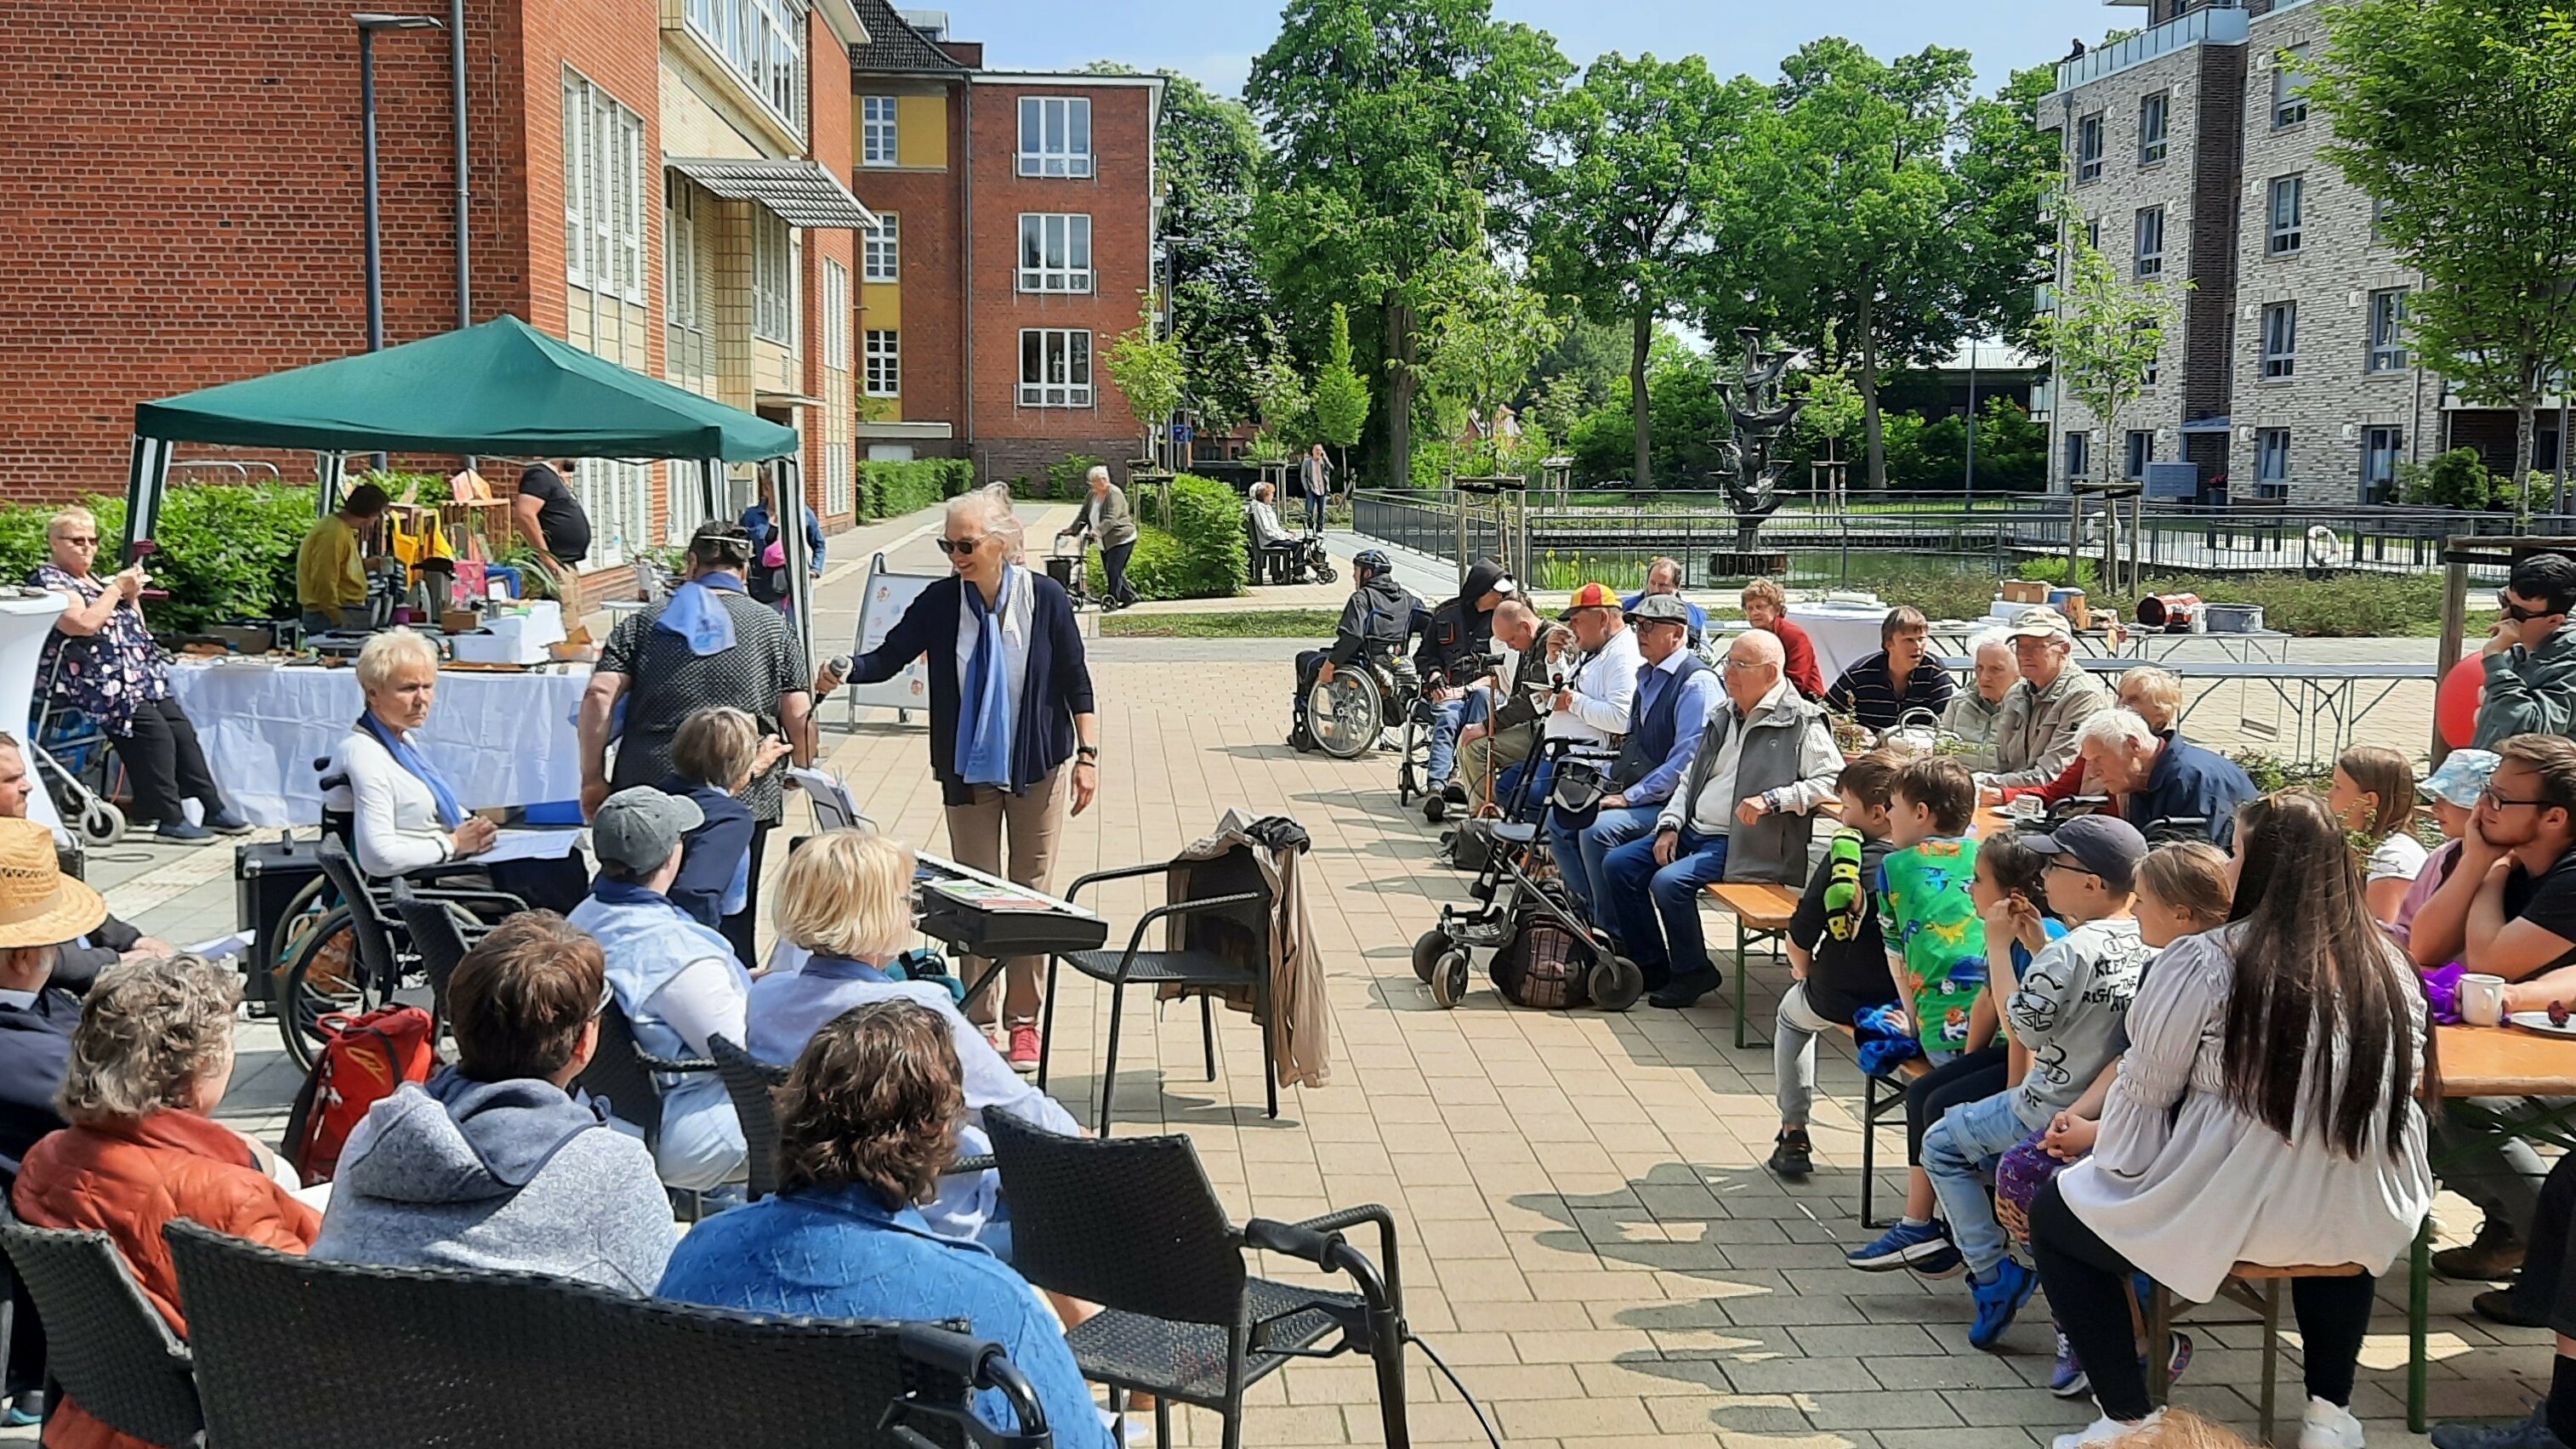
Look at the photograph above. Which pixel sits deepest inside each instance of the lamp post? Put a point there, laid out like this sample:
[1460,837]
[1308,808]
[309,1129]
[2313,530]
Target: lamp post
[369,23]
[1171,328]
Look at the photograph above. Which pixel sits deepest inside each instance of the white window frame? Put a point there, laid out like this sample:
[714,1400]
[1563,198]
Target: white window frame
[884,362]
[2284,215]
[1062,242]
[603,155]
[836,477]
[1053,151]
[2289,88]
[773,278]
[762,42]
[2372,451]
[881,249]
[2148,261]
[836,315]
[877,131]
[1059,350]
[2280,337]
[2088,148]
[2154,143]
[2272,445]
[2385,322]
[679,254]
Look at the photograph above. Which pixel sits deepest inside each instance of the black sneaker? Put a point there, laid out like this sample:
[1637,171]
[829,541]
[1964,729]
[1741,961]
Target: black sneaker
[1791,1154]
[2503,1305]
[1687,988]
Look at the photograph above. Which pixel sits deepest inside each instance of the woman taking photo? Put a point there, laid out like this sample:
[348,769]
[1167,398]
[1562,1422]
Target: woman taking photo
[2264,1113]
[121,679]
[404,816]
[1012,731]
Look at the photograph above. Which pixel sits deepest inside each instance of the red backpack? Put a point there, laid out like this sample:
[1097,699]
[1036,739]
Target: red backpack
[361,1062]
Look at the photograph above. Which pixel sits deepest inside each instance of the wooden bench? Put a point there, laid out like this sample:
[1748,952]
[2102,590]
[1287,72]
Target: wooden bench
[2256,1286]
[1882,1095]
[1762,911]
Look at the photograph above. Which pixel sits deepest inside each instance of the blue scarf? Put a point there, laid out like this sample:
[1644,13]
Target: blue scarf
[450,814]
[696,615]
[984,693]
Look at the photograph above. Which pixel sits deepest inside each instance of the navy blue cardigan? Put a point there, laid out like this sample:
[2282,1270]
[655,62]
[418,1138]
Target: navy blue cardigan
[1058,687]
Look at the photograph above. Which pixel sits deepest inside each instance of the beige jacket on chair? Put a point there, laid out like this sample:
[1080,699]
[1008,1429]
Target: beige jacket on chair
[1228,860]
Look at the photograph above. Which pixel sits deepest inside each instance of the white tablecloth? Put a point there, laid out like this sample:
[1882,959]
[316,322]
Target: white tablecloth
[1844,634]
[500,739]
[24,626]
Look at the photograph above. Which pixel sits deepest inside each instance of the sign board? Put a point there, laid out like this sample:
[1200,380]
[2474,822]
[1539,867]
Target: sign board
[888,595]
[2180,481]
[1180,432]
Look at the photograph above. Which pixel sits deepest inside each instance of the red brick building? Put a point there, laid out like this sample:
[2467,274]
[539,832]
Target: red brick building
[1016,238]
[658,181]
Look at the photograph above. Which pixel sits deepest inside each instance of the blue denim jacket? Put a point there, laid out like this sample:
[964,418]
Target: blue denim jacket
[838,1252]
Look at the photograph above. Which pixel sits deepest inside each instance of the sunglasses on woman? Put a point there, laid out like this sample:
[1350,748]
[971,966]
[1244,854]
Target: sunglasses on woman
[959,547]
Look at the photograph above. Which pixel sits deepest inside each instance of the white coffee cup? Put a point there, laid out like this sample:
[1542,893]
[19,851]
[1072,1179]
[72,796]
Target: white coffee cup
[2482,1000]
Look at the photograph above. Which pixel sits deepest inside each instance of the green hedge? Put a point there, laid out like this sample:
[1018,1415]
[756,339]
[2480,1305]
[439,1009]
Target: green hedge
[1200,557]
[227,550]
[889,490]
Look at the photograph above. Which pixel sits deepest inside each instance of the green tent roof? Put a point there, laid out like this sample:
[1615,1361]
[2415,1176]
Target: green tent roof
[500,387]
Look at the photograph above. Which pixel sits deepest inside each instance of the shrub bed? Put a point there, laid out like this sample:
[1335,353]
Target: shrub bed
[1200,557]
[889,490]
[227,549]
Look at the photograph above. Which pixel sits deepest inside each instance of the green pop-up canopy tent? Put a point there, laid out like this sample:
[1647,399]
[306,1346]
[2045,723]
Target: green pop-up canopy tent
[499,387]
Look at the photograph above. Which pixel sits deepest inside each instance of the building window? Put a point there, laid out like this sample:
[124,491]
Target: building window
[2280,339]
[2154,367]
[679,253]
[2093,232]
[879,259]
[1055,136]
[763,43]
[1055,252]
[1055,367]
[2378,216]
[2289,87]
[2387,330]
[2151,241]
[773,279]
[2272,457]
[876,130]
[836,477]
[2140,451]
[2079,457]
[885,363]
[836,315]
[2088,149]
[2380,450]
[603,149]
[2155,114]
[2289,200]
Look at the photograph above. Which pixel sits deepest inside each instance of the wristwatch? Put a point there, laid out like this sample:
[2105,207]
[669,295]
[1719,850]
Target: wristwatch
[1087,754]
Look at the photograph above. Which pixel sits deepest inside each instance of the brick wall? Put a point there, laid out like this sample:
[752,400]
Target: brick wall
[929,259]
[827,141]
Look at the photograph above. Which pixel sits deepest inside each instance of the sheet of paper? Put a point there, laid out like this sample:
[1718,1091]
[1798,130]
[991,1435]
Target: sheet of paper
[528,845]
[222,946]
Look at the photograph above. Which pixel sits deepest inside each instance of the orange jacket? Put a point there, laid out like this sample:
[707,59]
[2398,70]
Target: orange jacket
[127,1179]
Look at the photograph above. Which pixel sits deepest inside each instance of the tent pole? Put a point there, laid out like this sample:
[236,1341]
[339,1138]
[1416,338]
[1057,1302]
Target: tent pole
[710,472]
[787,515]
[147,477]
[329,469]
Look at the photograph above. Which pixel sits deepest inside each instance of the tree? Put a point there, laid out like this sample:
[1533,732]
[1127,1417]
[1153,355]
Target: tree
[2460,115]
[1393,124]
[2101,339]
[1833,411]
[1341,395]
[1279,394]
[1482,332]
[1622,221]
[1149,371]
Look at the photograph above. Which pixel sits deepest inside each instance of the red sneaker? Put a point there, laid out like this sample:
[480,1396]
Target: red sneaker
[1024,1049]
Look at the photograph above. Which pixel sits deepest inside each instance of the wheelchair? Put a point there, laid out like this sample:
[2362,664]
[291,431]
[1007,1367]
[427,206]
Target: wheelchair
[1413,757]
[75,758]
[1351,715]
[1297,561]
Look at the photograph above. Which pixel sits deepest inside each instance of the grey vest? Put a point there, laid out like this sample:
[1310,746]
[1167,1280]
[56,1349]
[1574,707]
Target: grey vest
[1773,848]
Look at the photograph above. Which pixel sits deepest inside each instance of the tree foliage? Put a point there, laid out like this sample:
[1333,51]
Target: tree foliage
[1482,332]
[2460,115]
[1341,394]
[1150,371]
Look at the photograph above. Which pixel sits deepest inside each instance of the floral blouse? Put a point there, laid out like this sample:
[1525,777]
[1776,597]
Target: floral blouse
[113,672]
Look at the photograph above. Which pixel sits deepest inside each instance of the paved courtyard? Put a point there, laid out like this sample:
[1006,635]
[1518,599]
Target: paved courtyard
[1588,1235]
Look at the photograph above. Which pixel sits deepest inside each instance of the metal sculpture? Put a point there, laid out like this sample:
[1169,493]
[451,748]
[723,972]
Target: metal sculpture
[1757,416]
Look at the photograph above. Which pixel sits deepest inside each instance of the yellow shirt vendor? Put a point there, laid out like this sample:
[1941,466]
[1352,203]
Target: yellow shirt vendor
[330,566]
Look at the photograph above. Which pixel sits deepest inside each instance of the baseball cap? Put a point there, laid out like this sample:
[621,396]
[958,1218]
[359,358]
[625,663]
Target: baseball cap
[1591,596]
[2103,844]
[1660,609]
[637,828]
[2039,623]
[2462,775]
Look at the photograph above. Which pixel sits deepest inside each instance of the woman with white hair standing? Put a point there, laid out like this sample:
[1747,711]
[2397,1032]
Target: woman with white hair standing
[1104,517]
[1012,731]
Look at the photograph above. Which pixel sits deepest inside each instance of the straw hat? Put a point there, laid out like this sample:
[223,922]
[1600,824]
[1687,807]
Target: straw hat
[39,905]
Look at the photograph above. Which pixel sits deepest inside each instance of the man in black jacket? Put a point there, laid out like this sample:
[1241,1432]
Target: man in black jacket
[1456,651]
[1380,615]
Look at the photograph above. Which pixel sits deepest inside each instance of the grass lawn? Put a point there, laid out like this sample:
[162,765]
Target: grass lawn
[1224,624]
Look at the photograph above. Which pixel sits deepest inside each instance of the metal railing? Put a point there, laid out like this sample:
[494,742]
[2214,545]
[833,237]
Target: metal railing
[2218,24]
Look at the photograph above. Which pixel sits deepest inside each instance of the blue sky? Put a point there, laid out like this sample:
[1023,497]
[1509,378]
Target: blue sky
[1215,40]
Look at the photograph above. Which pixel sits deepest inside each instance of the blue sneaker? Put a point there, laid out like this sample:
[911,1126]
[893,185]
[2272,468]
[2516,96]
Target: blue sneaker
[1943,1262]
[2066,1377]
[1999,1295]
[1904,1245]
[2177,1355]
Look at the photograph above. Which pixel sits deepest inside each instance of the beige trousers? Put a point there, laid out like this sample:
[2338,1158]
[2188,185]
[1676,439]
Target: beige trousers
[1034,822]
[1482,760]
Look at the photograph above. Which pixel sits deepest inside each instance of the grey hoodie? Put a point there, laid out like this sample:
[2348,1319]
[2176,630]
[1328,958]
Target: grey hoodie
[507,1175]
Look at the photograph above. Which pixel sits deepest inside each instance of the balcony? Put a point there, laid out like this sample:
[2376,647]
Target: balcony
[2217,25]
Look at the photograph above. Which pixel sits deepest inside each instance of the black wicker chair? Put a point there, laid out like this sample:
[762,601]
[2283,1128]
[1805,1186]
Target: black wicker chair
[298,1353]
[105,1343]
[620,1074]
[1245,917]
[1133,1225]
[441,933]
[749,1081]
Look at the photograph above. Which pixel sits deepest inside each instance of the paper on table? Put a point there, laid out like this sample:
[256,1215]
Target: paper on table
[528,845]
[222,946]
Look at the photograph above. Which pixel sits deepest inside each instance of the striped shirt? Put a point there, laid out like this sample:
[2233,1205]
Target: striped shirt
[1869,694]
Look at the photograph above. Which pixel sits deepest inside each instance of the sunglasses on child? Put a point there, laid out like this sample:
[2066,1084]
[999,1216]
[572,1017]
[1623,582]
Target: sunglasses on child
[2519,613]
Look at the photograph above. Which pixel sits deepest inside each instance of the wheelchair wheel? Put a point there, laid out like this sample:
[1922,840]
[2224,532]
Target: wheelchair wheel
[102,823]
[1615,983]
[1325,574]
[1427,949]
[1346,716]
[322,977]
[1449,978]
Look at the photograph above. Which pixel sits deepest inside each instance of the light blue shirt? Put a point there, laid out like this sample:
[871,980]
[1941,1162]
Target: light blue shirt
[1690,715]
